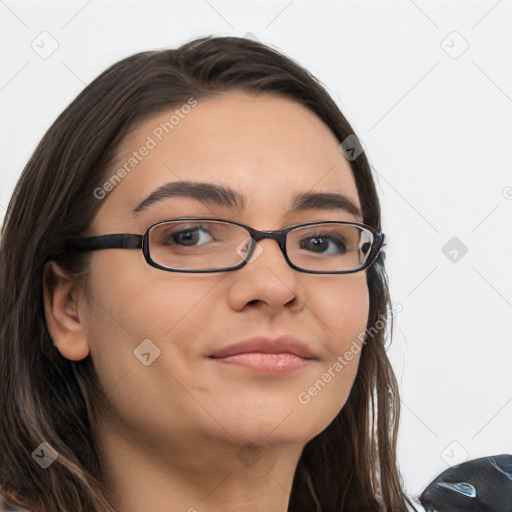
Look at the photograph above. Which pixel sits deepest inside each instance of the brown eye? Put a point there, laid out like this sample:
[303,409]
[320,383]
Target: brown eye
[187,237]
[323,244]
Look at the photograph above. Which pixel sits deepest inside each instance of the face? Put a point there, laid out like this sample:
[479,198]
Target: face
[268,150]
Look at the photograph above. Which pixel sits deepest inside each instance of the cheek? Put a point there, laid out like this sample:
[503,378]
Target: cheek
[131,314]
[343,309]
[142,301]
[128,305]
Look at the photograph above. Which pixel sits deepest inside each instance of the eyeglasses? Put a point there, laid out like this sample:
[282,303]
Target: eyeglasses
[214,245]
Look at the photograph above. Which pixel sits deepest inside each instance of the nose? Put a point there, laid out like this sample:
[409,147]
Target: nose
[266,281]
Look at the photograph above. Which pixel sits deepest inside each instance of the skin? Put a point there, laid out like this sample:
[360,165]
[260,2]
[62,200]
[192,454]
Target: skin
[187,433]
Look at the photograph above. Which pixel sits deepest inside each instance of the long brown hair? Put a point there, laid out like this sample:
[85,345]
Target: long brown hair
[350,466]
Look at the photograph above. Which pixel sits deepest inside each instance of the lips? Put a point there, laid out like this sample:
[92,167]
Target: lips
[265,345]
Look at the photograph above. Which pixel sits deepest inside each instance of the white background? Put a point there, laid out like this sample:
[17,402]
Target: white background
[437,129]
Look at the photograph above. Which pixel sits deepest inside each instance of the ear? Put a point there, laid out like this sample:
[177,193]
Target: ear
[62,315]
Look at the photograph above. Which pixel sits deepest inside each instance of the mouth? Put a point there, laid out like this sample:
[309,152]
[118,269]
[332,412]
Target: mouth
[267,355]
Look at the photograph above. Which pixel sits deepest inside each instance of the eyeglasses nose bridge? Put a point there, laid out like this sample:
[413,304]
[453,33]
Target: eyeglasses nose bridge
[278,236]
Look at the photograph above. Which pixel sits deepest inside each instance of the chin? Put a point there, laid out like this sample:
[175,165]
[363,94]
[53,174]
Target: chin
[284,425]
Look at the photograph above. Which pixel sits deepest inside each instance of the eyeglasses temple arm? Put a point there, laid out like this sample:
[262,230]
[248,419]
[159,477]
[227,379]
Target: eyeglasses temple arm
[114,241]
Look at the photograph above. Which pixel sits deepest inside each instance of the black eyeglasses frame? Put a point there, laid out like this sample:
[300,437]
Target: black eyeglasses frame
[132,241]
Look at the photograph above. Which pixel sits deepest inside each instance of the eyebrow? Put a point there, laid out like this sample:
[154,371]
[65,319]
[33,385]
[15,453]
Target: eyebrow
[222,195]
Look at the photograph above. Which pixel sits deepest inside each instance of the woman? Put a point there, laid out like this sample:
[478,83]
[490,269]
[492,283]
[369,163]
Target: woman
[224,350]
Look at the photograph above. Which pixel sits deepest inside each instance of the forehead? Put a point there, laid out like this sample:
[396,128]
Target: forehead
[267,147]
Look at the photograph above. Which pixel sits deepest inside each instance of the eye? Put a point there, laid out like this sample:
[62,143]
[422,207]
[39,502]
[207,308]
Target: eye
[188,237]
[323,244]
